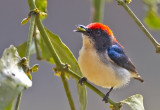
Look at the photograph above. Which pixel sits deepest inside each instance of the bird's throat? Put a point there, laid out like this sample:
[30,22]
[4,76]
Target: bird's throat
[87,42]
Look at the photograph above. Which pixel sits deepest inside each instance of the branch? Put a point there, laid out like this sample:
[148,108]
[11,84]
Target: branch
[36,43]
[30,36]
[141,26]
[29,42]
[68,92]
[48,42]
[72,74]
[18,101]
[59,64]
[98,10]
[76,77]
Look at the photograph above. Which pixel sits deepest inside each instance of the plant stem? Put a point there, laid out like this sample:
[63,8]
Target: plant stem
[59,63]
[67,90]
[141,26]
[53,53]
[18,101]
[76,77]
[31,4]
[36,42]
[29,42]
[98,10]
[48,43]
[30,36]
[56,59]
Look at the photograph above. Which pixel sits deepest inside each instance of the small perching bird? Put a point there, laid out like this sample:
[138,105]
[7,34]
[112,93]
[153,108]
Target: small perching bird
[102,59]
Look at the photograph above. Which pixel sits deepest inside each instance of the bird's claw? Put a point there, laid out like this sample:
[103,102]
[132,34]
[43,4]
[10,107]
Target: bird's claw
[105,99]
[82,80]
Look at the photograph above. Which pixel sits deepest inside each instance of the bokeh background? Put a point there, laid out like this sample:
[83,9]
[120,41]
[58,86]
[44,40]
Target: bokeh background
[47,92]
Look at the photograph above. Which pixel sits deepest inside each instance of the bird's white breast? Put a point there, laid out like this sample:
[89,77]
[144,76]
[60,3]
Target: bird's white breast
[99,73]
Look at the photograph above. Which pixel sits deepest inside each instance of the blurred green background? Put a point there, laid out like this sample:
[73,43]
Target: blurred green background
[47,92]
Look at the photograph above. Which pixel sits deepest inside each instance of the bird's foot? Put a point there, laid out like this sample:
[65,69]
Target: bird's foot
[106,97]
[82,80]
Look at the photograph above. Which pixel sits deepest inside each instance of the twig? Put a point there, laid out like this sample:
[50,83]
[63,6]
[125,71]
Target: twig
[36,43]
[48,42]
[97,10]
[72,74]
[30,36]
[29,41]
[68,92]
[93,88]
[58,63]
[141,26]
[18,101]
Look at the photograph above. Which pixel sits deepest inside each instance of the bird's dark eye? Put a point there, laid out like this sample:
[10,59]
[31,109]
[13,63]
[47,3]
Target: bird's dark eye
[98,33]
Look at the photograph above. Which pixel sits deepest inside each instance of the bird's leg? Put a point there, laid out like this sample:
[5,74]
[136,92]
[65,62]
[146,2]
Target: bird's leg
[107,95]
[82,80]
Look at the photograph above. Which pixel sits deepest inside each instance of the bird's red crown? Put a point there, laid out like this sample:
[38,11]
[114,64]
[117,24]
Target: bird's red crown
[103,27]
[100,26]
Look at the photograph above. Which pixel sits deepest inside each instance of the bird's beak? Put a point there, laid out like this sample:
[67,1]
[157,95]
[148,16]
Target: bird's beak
[81,28]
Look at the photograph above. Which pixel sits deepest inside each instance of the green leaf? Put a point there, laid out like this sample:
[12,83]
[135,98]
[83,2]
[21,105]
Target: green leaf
[67,57]
[24,21]
[135,102]
[128,1]
[34,68]
[42,6]
[22,49]
[45,54]
[82,96]
[152,19]
[9,106]
[151,2]
[13,80]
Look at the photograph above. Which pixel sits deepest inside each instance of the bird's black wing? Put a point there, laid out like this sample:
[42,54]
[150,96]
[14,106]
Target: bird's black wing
[118,56]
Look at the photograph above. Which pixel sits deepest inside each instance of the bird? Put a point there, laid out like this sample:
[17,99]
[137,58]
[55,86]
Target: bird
[102,59]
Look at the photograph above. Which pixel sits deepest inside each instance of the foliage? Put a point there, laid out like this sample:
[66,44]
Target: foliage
[67,57]
[61,50]
[135,102]
[67,62]
[152,18]
[13,80]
